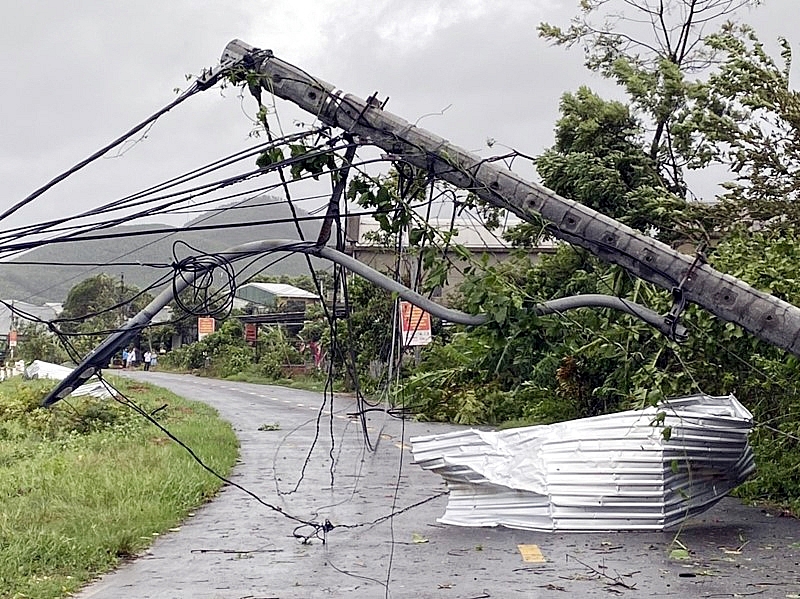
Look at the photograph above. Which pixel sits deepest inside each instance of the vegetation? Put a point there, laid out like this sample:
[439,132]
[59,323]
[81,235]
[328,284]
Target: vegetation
[691,100]
[89,482]
[278,357]
[630,160]
[97,306]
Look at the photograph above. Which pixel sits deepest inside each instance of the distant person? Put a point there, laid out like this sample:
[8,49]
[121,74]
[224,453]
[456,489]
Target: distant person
[125,356]
[153,361]
[132,358]
[147,357]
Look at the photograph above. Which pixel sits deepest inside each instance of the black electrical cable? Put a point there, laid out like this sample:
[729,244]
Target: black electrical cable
[195,88]
[319,529]
[127,401]
[171,200]
[238,225]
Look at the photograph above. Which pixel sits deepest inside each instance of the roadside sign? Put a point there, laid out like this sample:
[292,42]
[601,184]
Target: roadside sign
[12,338]
[205,326]
[415,324]
[250,332]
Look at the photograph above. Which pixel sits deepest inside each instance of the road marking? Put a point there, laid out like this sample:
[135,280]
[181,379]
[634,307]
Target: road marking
[531,553]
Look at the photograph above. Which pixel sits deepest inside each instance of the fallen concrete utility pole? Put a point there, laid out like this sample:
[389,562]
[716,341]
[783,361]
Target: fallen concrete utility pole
[690,280]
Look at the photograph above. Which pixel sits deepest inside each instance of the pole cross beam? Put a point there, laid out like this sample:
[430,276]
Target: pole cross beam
[765,316]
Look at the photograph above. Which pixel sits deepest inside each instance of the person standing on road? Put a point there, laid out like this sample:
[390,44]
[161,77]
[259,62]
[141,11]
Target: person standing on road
[125,358]
[147,356]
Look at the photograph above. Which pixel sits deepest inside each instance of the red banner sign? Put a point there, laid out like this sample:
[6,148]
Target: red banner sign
[250,332]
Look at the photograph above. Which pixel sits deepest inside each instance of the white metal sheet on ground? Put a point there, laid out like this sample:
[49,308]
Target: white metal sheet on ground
[39,369]
[612,472]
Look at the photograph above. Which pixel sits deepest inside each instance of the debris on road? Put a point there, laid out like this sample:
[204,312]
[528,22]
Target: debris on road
[644,469]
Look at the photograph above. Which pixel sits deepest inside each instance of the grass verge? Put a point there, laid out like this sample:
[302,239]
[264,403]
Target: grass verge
[89,483]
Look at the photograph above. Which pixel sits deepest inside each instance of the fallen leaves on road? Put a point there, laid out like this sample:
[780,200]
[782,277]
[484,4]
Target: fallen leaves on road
[418,538]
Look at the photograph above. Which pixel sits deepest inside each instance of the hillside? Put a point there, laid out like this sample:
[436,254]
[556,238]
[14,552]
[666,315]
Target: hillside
[47,282]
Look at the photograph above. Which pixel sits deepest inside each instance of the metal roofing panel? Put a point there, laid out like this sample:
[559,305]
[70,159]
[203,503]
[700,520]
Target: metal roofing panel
[39,369]
[611,472]
[282,290]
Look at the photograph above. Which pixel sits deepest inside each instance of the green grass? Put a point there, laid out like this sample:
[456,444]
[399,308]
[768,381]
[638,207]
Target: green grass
[89,483]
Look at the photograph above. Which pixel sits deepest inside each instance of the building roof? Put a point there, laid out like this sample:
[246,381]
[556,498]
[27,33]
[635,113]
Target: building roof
[470,233]
[25,312]
[282,290]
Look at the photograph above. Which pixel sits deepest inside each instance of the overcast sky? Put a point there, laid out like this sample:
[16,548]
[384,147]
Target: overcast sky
[78,74]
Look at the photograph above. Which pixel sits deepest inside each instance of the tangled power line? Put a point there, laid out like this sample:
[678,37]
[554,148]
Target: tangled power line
[204,283]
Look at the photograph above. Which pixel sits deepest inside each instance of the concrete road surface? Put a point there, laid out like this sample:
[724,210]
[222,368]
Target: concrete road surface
[236,548]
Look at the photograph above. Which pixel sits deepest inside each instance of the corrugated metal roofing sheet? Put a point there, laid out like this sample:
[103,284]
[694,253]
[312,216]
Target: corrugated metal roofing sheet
[282,290]
[39,369]
[613,472]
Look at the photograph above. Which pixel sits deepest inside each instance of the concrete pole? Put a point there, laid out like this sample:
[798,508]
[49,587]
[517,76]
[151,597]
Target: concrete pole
[763,315]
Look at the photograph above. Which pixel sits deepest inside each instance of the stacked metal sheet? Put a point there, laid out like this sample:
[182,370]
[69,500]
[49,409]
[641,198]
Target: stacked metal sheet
[642,469]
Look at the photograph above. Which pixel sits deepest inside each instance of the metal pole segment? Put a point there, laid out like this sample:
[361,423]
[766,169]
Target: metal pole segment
[763,315]
[100,357]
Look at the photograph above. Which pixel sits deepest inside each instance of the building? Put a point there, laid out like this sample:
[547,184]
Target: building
[14,313]
[363,243]
[271,297]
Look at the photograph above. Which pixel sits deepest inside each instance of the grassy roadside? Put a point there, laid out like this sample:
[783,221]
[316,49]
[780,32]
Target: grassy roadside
[306,383]
[89,483]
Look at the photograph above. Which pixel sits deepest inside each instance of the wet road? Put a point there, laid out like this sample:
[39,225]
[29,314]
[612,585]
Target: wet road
[236,548]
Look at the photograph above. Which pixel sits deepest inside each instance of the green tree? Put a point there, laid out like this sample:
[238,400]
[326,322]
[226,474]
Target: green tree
[746,116]
[587,362]
[37,342]
[649,47]
[222,353]
[598,160]
[96,307]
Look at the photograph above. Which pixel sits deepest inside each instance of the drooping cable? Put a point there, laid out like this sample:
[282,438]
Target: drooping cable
[196,87]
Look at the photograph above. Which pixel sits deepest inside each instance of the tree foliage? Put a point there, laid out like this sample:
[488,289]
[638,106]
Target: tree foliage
[628,160]
[598,160]
[746,116]
[649,47]
[96,307]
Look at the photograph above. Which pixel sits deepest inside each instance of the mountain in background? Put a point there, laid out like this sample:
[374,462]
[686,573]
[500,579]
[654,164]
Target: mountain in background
[45,281]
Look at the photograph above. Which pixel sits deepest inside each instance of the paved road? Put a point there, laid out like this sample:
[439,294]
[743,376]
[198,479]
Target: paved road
[235,548]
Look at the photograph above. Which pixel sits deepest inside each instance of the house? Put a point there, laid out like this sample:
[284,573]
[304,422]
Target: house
[362,237]
[14,314]
[272,297]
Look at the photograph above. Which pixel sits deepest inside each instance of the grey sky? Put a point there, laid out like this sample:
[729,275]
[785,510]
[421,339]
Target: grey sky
[78,74]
